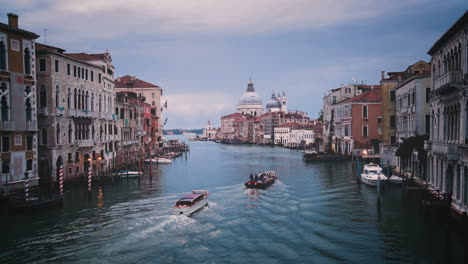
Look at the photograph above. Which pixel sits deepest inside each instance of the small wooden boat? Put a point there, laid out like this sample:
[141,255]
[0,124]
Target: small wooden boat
[191,203]
[261,181]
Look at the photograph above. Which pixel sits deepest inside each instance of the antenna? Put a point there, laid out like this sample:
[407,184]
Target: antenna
[45,36]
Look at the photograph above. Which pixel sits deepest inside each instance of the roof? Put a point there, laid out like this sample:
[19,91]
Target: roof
[293,124]
[458,25]
[128,81]
[191,196]
[18,31]
[87,57]
[43,47]
[234,115]
[374,95]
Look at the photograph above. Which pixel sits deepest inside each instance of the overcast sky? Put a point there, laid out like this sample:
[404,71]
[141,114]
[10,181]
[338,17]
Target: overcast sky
[202,52]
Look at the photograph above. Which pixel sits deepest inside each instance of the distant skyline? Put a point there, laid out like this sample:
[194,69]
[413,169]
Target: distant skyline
[202,53]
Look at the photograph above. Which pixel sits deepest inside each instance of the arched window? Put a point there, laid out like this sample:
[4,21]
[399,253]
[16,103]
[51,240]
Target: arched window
[57,96]
[79,99]
[92,132]
[100,133]
[4,108]
[28,110]
[75,103]
[2,56]
[59,138]
[43,96]
[87,101]
[364,112]
[27,61]
[70,134]
[100,103]
[92,101]
[69,98]
[44,136]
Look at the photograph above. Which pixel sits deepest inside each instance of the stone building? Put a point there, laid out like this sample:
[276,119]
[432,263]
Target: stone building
[356,121]
[18,115]
[130,128]
[147,92]
[250,102]
[75,104]
[448,143]
[210,132]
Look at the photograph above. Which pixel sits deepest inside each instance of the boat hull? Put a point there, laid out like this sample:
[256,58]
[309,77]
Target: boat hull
[188,211]
[372,181]
[160,160]
[259,185]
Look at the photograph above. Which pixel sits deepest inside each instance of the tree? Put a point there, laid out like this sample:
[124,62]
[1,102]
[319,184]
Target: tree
[320,118]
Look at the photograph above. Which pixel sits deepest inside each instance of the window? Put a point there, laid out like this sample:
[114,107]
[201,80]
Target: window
[68,69]
[58,136]
[57,96]
[346,131]
[77,158]
[2,56]
[428,124]
[428,94]
[99,78]
[364,131]
[413,97]
[408,97]
[28,110]
[392,95]
[92,76]
[42,65]
[29,142]
[79,72]
[364,112]
[153,103]
[152,95]
[334,100]
[70,157]
[74,71]
[6,144]
[82,73]
[29,165]
[27,61]
[43,96]
[86,74]
[392,122]
[56,66]
[18,140]
[392,139]
[44,136]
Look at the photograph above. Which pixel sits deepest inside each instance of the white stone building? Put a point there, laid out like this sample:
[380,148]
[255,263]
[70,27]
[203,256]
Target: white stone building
[250,102]
[76,112]
[448,144]
[210,132]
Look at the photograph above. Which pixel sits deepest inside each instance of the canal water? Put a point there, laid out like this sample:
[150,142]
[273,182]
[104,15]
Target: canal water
[315,213]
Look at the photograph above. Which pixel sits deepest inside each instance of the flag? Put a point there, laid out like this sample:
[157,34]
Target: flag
[165,121]
[165,105]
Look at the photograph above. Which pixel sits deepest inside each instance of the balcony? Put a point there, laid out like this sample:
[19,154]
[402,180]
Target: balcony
[59,111]
[31,126]
[449,149]
[6,125]
[42,111]
[85,143]
[447,78]
[72,112]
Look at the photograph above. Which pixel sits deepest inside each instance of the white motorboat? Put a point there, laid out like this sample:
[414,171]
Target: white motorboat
[372,174]
[130,174]
[191,203]
[159,160]
[395,179]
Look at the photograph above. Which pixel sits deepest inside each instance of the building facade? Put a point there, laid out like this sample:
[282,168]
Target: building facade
[76,120]
[18,106]
[447,146]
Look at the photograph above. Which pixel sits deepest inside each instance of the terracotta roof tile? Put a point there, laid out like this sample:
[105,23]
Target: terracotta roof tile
[128,81]
[374,95]
[87,57]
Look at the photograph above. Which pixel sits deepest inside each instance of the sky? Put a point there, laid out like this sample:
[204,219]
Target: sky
[203,52]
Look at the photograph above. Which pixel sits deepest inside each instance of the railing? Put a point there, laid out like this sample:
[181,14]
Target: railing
[72,112]
[85,143]
[451,76]
[6,125]
[59,111]
[42,111]
[446,148]
[31,126]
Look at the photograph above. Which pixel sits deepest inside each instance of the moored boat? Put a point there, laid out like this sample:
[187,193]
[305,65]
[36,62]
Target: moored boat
[372,174]
[159,160]
[191,203]
[395,179]
[125,173]
[262,180]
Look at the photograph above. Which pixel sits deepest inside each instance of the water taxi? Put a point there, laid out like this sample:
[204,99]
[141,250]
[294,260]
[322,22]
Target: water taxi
[191,203]
[372,174]
[262,180]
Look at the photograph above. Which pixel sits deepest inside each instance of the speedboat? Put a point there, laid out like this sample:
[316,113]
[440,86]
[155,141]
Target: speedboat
[262,180]
[159,160]
[191,203]
[125,173]
[372,174]
[395,179]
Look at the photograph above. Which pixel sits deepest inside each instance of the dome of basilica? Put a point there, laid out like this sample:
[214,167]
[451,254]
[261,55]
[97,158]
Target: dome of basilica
[250,98]
[273,102]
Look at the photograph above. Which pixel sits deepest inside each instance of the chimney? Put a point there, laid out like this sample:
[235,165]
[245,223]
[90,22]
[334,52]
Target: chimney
[12,20]
[383,75]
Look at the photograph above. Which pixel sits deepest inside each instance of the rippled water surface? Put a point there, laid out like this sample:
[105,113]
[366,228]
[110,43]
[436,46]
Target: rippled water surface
[315,213]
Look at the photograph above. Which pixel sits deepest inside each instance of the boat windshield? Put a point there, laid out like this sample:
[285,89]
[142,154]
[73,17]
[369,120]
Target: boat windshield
[187,202]
[374,172]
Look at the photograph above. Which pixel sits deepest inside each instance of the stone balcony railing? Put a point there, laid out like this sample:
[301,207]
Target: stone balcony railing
[31,126]
[72,112]
[42,111]
[85,143]
[6,125]
[448,77]
[59,111]
[449,149]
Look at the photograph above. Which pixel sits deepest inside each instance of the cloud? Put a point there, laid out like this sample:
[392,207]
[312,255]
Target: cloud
[104,19]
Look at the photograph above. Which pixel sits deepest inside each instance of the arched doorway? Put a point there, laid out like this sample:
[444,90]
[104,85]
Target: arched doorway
[449,179]
[45,177]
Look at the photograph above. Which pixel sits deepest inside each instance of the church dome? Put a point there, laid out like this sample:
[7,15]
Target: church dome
[273,102]
[250,98]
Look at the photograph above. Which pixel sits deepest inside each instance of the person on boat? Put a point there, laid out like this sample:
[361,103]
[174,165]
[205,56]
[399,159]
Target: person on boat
[256,177]
[251,176]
